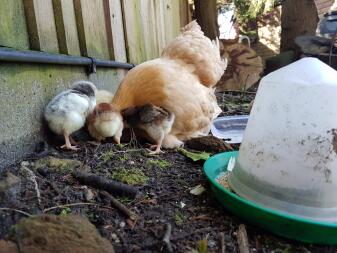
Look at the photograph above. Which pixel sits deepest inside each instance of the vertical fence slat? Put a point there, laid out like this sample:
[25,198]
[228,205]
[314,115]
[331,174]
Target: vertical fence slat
[108,28]
[118,40]
[149,29]
[91,28]
[160,24]
[134,33]
[117,30]
[172,19]
[184,12]
[41,25]
[66,29]
[13,31]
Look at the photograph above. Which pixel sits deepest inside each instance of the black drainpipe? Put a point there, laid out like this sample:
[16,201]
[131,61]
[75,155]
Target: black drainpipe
[9,55]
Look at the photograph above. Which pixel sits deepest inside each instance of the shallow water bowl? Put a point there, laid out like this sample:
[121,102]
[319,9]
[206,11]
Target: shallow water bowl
[280,223]
[230,128]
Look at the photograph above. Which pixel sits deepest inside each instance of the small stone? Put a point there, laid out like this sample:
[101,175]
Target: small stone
[66,234]
[131,162]
[122,224]
[8,182]
[89,195]
[24,163]
[115,238]
[211,243]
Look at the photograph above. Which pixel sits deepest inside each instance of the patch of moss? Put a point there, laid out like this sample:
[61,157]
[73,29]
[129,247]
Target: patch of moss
[163,164]
[123,158]
[53,163]
[106,156]
[124,200]
[134,176]
[179,218]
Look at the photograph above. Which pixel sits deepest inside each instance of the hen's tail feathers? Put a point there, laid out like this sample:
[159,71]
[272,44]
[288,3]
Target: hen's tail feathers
[194,48]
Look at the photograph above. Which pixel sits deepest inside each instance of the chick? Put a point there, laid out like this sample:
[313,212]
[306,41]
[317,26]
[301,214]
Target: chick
[105,121]
[104,96]
[154,121]
[67,112]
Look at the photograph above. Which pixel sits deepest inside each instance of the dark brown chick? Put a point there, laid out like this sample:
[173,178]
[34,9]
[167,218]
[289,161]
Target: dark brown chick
[154,121]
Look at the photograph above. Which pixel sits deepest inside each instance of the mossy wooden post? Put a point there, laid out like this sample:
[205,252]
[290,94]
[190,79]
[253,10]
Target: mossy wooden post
[66,29]
[134,31]
[13,28]
[41,25]
[91,28]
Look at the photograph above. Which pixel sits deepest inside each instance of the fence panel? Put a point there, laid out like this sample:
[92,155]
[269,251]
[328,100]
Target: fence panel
[13,31]
[41,25]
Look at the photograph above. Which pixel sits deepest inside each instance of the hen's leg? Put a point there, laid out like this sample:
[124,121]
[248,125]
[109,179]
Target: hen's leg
[68,145]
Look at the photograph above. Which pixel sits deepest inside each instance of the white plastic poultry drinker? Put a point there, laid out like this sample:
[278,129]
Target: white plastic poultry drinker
[288,158]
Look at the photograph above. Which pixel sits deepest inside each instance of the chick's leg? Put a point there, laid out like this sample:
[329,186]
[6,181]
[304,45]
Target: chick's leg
[118,135]
[68,145]
[157,147]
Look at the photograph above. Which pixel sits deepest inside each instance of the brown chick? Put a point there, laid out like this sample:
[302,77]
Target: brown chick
[154,121]
[105,121]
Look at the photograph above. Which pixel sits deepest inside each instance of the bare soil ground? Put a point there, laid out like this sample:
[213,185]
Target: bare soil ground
[164,183]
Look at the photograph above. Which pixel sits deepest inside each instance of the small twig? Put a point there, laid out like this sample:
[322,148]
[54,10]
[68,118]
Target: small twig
[116,203]
[32,178]
[15,210]
[73,204]
[222,242]
[104,184]
[242,239]
[167,236]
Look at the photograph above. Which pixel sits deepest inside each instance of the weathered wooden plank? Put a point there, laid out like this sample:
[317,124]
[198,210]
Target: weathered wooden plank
[13,29]
[184,10]
[118,40]
[171,19]
[91,28]
[108,28]
[160,24]
[149,29]
[41,25]
[117,30]
[66,29]
[134,34]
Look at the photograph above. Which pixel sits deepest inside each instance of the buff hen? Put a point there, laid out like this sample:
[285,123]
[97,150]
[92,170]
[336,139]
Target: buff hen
[181,81]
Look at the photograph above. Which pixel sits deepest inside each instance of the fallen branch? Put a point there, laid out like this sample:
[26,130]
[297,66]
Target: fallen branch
[104,184]
[73,204]
[222,242]
[167,236]
[15,210]
[116,203]
[242,239]
[32,178]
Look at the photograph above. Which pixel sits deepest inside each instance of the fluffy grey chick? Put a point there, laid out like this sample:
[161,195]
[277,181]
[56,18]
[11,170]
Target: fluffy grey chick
[67,112]
[153,122]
